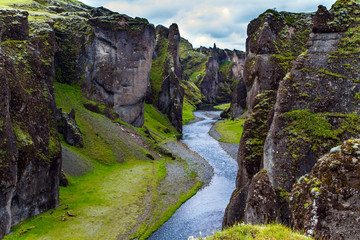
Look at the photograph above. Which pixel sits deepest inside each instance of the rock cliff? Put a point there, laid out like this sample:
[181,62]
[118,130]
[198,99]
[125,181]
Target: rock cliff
[214,71]
[274,41]
[316,105]
[111,56]
[165,88]
[30,158]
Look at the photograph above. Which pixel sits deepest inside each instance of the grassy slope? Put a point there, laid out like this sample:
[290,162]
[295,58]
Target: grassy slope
[222,106]
[259,232]
[114,199]
[230,130]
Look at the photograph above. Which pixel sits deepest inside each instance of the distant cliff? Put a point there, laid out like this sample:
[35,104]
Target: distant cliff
[165,89]
[214,71]
[302,83]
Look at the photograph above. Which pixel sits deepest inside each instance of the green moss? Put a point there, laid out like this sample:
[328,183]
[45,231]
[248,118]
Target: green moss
[188,109]
[158,124]
[230,130]
[357,96]
[22,136]
[222,106]
[316,130]
[157,67]
[324,71]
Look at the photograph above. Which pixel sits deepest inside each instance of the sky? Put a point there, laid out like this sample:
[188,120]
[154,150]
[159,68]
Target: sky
[205,22]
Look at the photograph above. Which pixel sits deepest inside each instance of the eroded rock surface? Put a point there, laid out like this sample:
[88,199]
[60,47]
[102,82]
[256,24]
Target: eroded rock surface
[317,107]
[171,95]
[30,146]
[325,202]
[110,55]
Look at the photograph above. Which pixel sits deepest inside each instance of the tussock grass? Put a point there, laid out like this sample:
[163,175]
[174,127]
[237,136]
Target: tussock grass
[258,232]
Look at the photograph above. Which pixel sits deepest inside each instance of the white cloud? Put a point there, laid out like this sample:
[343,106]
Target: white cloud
[204,22]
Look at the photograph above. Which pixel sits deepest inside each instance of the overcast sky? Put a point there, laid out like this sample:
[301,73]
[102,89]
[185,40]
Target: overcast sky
[205,22]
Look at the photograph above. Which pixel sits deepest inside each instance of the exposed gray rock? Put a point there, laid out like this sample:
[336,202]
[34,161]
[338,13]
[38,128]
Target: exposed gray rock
[69,128]
[261,203]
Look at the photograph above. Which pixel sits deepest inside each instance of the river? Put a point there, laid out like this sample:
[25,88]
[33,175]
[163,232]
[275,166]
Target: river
[202,214]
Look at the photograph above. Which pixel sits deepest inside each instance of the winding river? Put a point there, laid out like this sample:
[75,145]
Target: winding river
[202,214]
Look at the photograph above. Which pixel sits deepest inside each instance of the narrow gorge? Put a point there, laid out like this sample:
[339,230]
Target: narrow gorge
[104,127]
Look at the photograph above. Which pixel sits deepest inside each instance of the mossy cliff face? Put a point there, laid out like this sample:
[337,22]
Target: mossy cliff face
[165,89]
[110,55]
[316,103]
[325,202]
[117,83]
[273,42]
[30,147]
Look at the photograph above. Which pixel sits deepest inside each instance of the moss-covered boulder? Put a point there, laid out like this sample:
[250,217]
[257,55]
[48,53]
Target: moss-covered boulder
[326,201]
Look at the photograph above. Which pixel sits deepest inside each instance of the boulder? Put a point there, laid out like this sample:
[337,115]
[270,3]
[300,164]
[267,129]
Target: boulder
[326,202]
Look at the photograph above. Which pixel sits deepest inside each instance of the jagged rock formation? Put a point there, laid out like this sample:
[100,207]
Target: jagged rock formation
[316,106]
[214,71]
[165,88]
[325,202]
[273,42]
[110,55]
[30,153]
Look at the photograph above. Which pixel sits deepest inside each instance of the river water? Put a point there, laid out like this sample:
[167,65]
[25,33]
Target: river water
[202,214]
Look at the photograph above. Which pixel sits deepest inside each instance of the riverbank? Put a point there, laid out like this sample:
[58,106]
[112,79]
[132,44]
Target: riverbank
[229,148]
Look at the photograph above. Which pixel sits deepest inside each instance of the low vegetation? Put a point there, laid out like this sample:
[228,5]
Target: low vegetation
[230,130]
[123,185]
[259,232]
[222,106]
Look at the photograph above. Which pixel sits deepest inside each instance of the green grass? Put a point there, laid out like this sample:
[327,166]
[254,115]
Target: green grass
[188,109]
[230,130]
[259,232]
[104,204]
[158,124]
[222,106]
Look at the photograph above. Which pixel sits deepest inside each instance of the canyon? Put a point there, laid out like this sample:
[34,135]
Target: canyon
[89,94]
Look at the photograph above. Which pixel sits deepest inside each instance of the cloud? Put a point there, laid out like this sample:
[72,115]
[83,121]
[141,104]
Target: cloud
[205,22]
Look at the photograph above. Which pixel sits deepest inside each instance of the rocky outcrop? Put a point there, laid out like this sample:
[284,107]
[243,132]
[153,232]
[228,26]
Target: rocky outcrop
[250,155]
[110,55]
[273,42]
[69,128]
[30,153]
[316,108]
[210,84]
[238,100]
[224,69]
[315,105]
[214,72]
[171,95]
[325,202]
[165,89]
